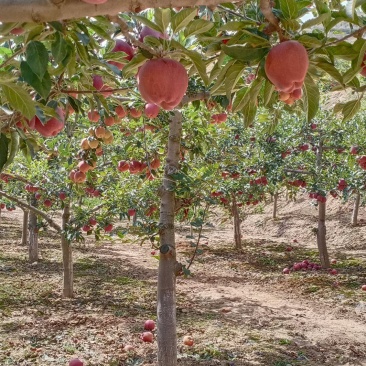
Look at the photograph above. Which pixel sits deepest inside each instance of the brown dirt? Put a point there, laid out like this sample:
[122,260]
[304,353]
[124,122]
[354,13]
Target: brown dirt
[238,306]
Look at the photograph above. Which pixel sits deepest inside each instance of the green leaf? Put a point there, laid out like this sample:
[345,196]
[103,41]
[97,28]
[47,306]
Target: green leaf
[180,20]
[220,77]
[315,21]
[311,98]
[34,32]
[147,22]
[19,99]
[350,109]
[249,111]
[42,87]
[331,70]
[310,42]
[343,50]
[199,64]
[268,91]
[245,53]
[13,148]
[197,26]
[350,74]
[232,77]
[359,46]
[288,8]
[60,49]
[4,148]
[37,58]
[236,25]
[131,68]
[241,99]
[162,18]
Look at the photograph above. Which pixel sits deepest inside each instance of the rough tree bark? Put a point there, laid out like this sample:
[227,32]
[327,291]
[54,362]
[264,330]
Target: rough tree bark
[37,11]
[68,277]
[321,233]
[25,227]
[166,307]
[275,200]
[237,233]
[33,238]
[356,206]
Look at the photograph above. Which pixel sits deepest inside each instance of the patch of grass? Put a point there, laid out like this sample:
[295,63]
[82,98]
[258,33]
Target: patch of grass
[284,341]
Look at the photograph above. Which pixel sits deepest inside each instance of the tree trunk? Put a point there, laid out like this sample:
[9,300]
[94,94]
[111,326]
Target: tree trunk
[25,227]
[275,199]
[47,10]
[237,233]
[68,280]
[33,237]
[322,245]
[356,206]
[166,307]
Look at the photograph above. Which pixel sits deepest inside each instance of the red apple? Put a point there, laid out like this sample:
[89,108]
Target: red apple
[147,337]
[188,341]
[121,111]
[47,203]
[62,196]
[286,271]
[98,82]
[354,150]
[75,362]
[108,228]
[86,228]
[363,288]
[131,212]
[149,325]
[151,110]
[147,31]
[123,166]
[92,221]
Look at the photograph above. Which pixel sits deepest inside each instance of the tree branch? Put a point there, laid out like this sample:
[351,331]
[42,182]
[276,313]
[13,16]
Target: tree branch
[359,32]
[49,10]
[33,209]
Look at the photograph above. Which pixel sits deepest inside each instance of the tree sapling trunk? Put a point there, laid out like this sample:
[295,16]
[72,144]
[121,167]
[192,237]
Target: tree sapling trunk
[356,207]
[25,227]
[237,233]
[166,307]
[68,278]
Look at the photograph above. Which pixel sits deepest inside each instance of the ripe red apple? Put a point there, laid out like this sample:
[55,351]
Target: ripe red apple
[37,196]
[162,82]
[93,116]
[286,271]
[62,196]
[155,164]
[149,325]
[53,126]
[363,288]
[354,150]
[313,126]
[147,337]
[2,206]
[123,166]
[286,66]
[17,31]
[151,110]
[47,203]
[333,261]
[121,111]
[131,212]
[98,82]
[79,177]
[122,46]
[333,272]
[110,121]
[92,221]
[188,341]
[86,228]
[128,348]
[147,31]
[135,113]
[76,361]
[108,228]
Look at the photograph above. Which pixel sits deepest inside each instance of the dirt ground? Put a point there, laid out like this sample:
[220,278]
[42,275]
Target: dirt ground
[238,306]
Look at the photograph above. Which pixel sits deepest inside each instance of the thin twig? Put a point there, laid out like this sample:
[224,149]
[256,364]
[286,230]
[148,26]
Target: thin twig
[360,31]
[66,91]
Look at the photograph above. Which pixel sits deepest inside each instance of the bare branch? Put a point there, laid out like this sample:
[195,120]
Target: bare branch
[357,33]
